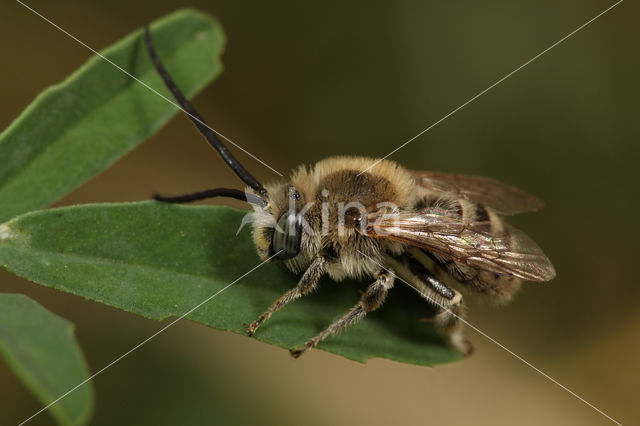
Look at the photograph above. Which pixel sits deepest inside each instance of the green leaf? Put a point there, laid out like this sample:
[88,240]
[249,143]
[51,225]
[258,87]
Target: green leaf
[159,260]
[41,349]
[76,129]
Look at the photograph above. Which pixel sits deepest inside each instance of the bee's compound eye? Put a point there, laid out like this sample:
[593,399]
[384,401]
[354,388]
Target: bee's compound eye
[287,236]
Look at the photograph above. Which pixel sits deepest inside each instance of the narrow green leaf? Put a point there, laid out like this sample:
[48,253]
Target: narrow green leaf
[41,349]
[160,260]
[76,129]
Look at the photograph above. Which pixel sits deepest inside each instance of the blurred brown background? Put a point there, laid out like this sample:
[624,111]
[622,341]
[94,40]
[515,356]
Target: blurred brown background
[304,81]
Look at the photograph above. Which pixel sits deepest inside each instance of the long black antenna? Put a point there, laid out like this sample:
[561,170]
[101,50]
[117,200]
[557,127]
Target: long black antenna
[210,193]
[209,134]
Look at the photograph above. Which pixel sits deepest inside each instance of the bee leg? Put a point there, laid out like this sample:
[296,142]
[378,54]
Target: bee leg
[447,300]
[448,321]
[306,285]
[371,300]
[450,309]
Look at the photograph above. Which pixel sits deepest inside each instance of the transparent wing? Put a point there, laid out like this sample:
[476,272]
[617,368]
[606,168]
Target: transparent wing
[508,251]
[504,199]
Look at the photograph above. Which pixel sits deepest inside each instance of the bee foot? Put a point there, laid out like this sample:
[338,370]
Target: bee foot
[466,349]
[297,352]
[464,346]
[251,328]
[458,341]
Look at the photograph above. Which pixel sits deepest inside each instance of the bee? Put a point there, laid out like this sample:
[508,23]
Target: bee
[364,218]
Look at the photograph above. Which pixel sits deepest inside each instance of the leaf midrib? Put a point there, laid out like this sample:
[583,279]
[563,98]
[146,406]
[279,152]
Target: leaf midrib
[88,259]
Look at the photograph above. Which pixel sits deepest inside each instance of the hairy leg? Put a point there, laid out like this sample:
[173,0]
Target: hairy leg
[306,285]
[371,300]
[447,300]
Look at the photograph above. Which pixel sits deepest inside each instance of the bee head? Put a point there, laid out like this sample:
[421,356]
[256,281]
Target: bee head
[278,227]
